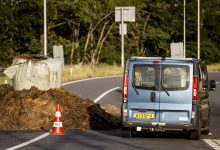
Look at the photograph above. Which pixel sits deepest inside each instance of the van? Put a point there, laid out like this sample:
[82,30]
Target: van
[166,94]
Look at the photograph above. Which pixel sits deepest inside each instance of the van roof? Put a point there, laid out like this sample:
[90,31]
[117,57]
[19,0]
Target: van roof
[163,58]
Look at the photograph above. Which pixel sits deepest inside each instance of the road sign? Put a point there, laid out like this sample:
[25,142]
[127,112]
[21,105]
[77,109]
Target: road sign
[128,14]
[177,50]
[124,28]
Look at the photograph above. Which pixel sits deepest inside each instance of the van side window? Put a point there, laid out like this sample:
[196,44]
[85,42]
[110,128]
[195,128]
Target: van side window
[204,76]
[144,76]
[175,77]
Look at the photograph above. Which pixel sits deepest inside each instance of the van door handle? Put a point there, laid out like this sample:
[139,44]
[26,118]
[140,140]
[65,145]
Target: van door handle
[152,96]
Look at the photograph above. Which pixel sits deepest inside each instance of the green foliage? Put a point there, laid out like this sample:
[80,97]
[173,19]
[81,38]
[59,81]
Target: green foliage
[157,37]
[89,34]
[209,52]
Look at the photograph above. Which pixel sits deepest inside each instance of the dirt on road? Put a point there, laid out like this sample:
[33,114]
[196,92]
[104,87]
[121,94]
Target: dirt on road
[35,109]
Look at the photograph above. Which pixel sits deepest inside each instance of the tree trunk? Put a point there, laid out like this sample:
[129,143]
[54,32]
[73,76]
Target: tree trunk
[87,41]
[144,31]
[98,45]
[90,32]
[102,42]
[77,41]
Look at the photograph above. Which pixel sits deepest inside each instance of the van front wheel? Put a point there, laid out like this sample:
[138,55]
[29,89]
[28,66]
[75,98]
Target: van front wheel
[126,133]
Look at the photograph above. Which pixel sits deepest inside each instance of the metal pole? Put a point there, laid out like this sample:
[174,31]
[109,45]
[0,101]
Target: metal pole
[198,29]
[45,28]
[122,38]
[184,29]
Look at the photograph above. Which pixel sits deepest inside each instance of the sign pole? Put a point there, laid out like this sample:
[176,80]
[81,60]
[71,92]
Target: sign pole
[198,29]
[122,38]
[45,28]
[184,29]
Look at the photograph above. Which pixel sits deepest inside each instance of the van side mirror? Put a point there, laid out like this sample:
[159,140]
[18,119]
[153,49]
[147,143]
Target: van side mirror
[212,85]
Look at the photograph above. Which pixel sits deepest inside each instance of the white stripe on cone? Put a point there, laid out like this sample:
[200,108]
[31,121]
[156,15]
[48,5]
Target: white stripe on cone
[57,124]
[58,114]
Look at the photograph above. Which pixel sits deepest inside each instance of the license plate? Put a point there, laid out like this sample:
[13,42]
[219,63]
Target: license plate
[144,115]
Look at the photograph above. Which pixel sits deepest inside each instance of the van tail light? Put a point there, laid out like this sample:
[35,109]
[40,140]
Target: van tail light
[156,62]
[125,87]
[195,88]
[125,112]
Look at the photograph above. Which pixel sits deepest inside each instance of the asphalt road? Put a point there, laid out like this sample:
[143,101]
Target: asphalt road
[111,139]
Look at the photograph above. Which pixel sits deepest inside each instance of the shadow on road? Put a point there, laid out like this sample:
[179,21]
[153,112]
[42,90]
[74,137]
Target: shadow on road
[146,134]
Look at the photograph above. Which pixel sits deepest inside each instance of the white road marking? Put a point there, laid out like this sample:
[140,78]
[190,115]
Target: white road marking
[217,82]
[48,133]
[217,141]
[210,133]
[215,144]
[29,142]
[101,96]
[76,81]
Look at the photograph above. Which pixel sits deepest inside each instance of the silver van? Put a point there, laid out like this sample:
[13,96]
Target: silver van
[162,94]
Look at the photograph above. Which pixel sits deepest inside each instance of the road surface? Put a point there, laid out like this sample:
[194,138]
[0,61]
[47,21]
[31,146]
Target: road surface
[111,139]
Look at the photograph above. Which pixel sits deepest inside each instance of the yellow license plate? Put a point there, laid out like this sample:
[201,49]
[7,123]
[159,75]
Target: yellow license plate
[143,115]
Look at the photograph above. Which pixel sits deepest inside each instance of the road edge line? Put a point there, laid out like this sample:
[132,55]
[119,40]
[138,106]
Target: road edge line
[105,93]
[87,79]
[29,142]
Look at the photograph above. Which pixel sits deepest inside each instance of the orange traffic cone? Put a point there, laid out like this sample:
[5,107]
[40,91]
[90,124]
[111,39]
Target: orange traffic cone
[57,125]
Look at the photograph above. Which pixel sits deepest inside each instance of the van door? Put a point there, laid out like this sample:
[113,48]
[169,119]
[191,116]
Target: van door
[175,92]
[143,92]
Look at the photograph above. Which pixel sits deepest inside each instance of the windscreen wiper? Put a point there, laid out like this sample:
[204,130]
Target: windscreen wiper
[168,94]
[135,89]
[162,76]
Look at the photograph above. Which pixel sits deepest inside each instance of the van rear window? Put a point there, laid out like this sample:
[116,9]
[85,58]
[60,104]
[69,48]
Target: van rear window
[175,77]
[152,77]
[145,76]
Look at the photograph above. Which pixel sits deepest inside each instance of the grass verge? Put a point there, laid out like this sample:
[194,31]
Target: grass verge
[76,72]
[213,67]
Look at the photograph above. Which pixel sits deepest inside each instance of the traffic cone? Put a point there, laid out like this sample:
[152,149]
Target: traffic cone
[57,125]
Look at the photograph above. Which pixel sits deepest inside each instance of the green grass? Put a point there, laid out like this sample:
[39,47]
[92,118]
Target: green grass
[213,67]
[76,72]
[5,80]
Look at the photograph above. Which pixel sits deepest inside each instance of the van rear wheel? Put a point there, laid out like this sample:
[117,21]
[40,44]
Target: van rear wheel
[126,133]
[205,132]
[196,134]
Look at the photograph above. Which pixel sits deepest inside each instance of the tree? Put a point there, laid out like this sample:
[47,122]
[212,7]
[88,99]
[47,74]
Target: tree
[89,34]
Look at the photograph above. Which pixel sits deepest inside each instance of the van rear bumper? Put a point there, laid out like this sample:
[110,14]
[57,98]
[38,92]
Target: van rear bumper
[158,126]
